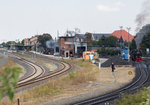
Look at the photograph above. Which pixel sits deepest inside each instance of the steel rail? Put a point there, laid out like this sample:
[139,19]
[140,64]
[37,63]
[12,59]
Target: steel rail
[65,68]
[44,77]
[115,94]
[31,64]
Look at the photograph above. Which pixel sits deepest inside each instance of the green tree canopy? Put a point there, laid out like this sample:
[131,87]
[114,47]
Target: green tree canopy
[10,42]
[110,41]
[22,42]
[133,45]
[43,38]
[94,43]
[145,42]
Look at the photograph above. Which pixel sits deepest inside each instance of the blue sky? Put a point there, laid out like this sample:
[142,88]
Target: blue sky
[24,18]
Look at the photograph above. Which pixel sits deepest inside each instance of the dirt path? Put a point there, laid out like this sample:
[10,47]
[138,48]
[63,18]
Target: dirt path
[106,82]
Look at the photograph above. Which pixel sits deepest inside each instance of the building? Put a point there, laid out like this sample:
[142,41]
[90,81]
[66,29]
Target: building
[97,36]
[80,44]
[26,42]
[127,37]
[53,47]
[33,41]
[66,46]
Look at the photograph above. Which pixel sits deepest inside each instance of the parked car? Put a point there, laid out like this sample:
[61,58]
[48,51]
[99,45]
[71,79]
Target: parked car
[56,54]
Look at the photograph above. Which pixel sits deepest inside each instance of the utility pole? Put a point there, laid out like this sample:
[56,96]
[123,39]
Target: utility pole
[57,34]
[128,28]
[121,27]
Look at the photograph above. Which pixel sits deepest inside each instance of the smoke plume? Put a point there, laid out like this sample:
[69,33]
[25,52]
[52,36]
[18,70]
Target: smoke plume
[143,17]
[50,44]
[139,36]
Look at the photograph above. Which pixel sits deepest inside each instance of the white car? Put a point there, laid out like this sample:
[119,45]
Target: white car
[56,54]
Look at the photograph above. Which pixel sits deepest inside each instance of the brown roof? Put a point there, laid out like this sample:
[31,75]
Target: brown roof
[124,34]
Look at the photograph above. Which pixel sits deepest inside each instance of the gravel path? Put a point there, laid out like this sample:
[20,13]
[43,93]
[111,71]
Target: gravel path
[94,93]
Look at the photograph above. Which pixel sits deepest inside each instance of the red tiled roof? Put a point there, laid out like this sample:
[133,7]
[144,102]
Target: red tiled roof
[124,34]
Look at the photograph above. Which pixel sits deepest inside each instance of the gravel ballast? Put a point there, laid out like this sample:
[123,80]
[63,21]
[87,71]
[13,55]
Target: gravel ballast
[116,60]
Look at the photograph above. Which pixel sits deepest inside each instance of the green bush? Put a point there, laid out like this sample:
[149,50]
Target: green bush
[142,97]
[109,51]
[8,81]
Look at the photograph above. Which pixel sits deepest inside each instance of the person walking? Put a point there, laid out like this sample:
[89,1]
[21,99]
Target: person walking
[113,67]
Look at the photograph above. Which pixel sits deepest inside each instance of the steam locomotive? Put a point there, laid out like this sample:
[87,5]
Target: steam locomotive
[136,55]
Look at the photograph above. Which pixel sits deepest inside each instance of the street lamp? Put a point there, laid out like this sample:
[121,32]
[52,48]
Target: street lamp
[128,28]
[103,45]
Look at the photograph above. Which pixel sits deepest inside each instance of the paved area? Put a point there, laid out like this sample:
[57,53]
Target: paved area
[102,60]
[4,59]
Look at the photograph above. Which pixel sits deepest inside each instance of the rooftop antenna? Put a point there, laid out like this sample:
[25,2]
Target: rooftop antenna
[67,32]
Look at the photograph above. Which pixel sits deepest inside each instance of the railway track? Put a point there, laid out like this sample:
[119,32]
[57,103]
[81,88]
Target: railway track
[38,74]
[140,79]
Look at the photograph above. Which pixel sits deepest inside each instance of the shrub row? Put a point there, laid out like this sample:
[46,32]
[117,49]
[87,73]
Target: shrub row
[109,52]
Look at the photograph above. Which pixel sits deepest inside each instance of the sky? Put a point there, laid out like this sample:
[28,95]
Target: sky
[21,19]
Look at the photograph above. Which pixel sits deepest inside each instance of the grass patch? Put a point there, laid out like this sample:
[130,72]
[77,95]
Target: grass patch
[58,86]
[1,57]
[142,97]
[86,72]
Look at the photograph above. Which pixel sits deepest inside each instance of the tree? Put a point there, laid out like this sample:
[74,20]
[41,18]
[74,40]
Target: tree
[94,43]
[111,41]
[100,42]
[4,44]
[43,38]
[10,42]
[133,45]
[73,32]
[145,42]
[88,38]
[22,42]
[8,81]
[77,30]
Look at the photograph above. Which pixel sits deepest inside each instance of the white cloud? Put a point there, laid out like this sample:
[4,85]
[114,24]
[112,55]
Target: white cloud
[105,8]
[115,7]
[119,4]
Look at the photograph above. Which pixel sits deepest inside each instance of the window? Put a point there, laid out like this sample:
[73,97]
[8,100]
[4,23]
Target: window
[70,39]
[69,45]
[65,39]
